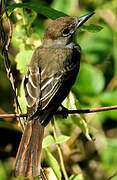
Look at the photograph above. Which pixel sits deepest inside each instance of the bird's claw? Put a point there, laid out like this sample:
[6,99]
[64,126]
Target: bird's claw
[64,112]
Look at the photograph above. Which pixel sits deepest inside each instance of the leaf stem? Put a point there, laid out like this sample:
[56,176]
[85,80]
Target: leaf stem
[59,151]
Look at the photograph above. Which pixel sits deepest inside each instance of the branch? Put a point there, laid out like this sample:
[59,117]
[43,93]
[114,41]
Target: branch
[12,115]
[115,174]
[91,110]
[5,45]
[80,111]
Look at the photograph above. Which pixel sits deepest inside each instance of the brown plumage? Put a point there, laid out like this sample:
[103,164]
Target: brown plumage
[52,72]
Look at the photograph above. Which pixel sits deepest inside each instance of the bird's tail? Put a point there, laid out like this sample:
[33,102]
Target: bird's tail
[29,152]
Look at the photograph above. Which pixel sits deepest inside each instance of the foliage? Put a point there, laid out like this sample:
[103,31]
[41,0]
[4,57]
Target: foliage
[88,142]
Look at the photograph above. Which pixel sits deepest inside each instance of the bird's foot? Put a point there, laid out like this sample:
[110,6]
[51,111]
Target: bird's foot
[64,111]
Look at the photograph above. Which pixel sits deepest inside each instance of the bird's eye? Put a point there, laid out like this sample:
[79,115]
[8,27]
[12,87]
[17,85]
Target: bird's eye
[66,32]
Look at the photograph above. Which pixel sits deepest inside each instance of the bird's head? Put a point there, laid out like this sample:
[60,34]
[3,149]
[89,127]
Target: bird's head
[61,31]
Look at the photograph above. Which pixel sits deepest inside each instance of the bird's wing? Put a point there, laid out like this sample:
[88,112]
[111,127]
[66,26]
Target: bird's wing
[41,84]
[32,88]
[40,92]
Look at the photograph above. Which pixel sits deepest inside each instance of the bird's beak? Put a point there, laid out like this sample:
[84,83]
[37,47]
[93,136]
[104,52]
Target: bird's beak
[83,19]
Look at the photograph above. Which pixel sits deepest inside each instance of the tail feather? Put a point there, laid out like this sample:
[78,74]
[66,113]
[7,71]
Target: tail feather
[29,152]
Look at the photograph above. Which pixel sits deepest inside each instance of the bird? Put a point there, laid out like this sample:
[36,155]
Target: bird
[51,73]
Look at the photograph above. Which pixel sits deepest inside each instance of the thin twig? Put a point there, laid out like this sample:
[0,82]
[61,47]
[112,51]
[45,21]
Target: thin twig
[59,151]
[91,110]
[5,44]
[12,115]
[10,29]
[80,111]
[115,174]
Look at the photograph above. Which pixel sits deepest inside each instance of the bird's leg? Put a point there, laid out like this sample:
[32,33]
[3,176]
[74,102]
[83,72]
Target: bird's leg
[64,111]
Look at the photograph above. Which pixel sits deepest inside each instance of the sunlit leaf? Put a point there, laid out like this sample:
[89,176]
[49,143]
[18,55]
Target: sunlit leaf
[47,141]
[68,8]
[49,174]
[79,120]
[62,139]
[52,162]
[23,59]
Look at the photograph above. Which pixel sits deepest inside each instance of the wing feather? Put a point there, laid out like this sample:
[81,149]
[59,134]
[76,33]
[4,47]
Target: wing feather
[43,79]
[49,91]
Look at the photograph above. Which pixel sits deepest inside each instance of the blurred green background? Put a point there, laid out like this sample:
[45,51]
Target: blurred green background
[96,86]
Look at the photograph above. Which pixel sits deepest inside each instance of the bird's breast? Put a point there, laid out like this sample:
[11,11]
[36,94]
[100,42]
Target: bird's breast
[72,63]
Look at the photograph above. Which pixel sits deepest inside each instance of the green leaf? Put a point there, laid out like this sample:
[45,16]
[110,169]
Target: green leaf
[52,162]
[21,98]
[109,98]
[43,10]
[78,119]
[91,28]
[109,156]
[47,141]
[3,175]
[90,80]
[76,177]
[98,47]
[62,139]
[49,173]
[23,59]
[68,8]
[28,19]
[82,125]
